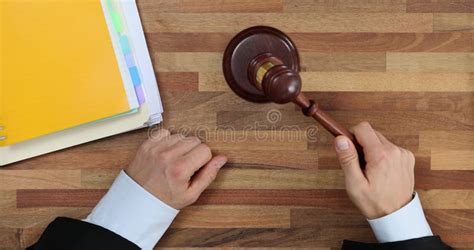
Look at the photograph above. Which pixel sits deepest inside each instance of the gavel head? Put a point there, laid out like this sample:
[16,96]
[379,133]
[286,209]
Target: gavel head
[261,64]
[278,82]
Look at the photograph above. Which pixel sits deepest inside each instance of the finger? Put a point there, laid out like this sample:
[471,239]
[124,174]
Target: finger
[196,158]
[185,145]
[167,142]
[157,136]
[349,161]
[369,140]
[411,159]
[206,175]
[382,138]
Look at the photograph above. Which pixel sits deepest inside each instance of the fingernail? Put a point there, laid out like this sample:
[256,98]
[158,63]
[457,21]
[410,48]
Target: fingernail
[220,163]
[342,144]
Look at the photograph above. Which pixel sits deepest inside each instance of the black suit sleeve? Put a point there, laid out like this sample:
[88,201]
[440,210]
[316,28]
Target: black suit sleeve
[66,233]
[424,243]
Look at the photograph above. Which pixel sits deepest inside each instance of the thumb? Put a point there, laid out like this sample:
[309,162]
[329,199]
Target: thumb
[348,159]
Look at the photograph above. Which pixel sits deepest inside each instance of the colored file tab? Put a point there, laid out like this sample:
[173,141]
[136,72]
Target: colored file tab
[135,77]
[116,15]
[125,45]
[129,60]
[116,21]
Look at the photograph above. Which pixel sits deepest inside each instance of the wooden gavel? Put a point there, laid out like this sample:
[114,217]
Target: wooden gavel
[261,64]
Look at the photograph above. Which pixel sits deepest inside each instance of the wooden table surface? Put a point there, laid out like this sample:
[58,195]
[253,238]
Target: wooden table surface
[406,66]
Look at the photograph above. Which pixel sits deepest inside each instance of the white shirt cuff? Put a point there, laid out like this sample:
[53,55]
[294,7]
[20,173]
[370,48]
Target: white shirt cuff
[408,222]
[133,213]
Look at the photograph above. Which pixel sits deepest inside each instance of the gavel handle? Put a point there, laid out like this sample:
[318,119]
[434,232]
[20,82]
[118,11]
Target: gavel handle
[336,129]
[310,108]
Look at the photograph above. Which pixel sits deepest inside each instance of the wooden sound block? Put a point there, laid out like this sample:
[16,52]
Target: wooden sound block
[247,45]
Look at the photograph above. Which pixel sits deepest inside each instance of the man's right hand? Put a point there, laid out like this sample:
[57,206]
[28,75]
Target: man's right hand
[388,181]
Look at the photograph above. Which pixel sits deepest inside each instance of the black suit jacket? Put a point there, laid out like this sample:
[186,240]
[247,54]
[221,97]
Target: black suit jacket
[65,233]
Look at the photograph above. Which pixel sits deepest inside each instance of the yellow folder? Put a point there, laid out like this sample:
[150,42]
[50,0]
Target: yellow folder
[58,68]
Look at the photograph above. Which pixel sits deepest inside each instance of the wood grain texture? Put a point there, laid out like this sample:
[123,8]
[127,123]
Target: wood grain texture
[243,178]
[178,81]
[310,61]
[38,217]
[406,66]
[383,42]
[345,62]
[25,179]
[447,140]
[341,6]
[430,62]
[7,199]
[331,198]
[312,238]
[447,199]
[279,179]
[452,159]
[460,22]
[290,22]
[363,81]
[233,217]
[324,42]
[323,217]
[450,219]
[58,197]
[211,6]
[440,6]
[413,121]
